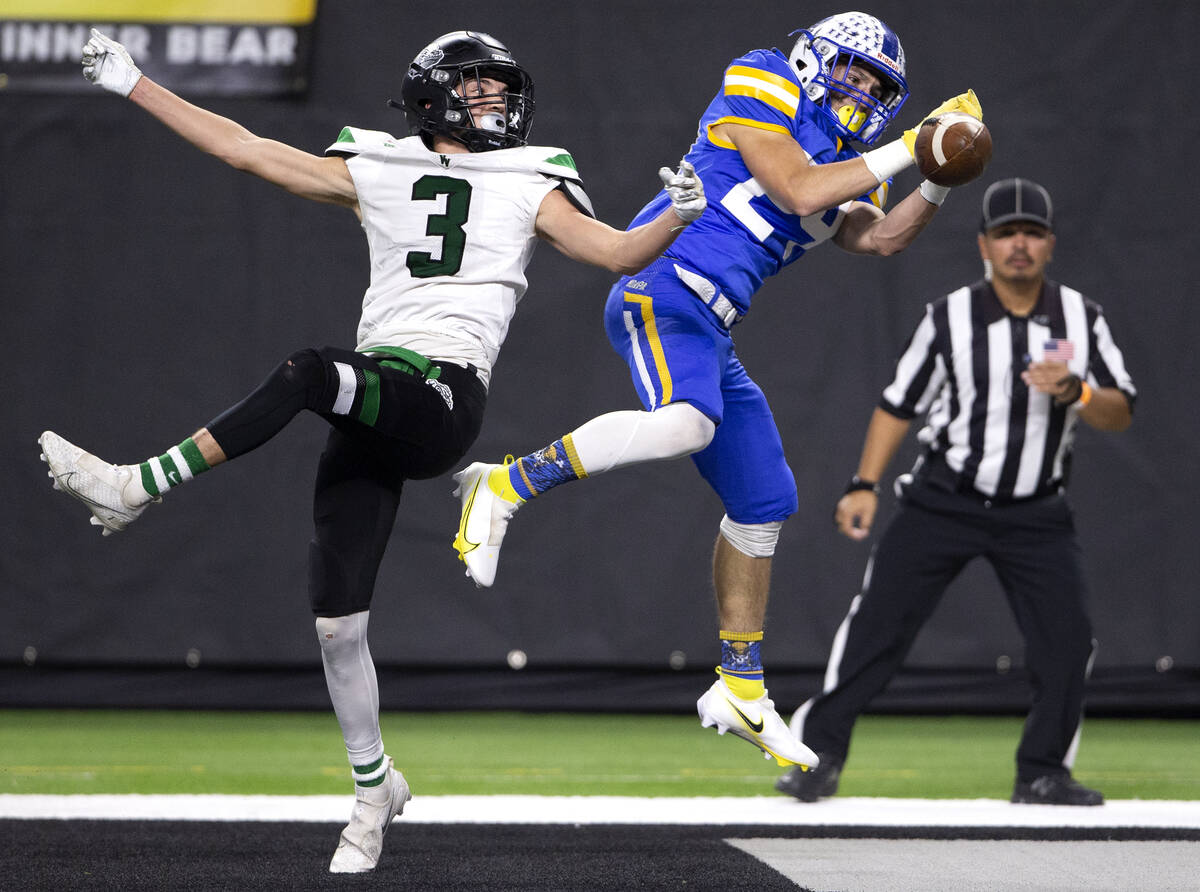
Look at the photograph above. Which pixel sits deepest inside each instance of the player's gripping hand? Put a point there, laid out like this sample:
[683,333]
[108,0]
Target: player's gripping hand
[685,191]
[967,103]
[107,63]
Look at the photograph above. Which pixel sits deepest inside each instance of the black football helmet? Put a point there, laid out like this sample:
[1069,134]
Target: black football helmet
[434,99]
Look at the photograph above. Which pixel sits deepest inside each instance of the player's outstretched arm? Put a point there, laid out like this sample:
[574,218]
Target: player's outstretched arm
[800,187]
[868,230]
[590,241]
[107,64]
[790,179]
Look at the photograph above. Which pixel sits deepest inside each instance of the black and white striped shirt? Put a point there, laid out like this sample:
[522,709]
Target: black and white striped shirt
[962,367]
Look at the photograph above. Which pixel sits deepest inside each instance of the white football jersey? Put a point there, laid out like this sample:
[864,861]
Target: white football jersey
[449,237]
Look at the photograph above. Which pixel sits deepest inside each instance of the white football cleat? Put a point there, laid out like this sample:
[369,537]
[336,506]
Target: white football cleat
[755,721]
[99,485]
[361,842]
[484,520]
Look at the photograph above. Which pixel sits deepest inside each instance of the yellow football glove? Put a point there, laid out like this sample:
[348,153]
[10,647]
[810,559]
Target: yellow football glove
[967,102]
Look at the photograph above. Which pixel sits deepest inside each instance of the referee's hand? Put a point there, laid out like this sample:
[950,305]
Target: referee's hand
[855,513]
[1046,377]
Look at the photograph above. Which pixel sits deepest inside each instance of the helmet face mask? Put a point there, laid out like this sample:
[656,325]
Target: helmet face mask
[437,93]
[824,56]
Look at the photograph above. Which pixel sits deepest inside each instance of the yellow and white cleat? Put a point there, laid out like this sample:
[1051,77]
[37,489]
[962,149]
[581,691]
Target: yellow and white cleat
[484,520]
[755,721]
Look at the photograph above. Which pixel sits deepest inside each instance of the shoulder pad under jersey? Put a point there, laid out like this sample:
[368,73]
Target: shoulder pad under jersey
[762,86]
[354,140]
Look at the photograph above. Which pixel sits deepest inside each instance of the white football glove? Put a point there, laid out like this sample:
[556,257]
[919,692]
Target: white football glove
[107,63]
[685,190]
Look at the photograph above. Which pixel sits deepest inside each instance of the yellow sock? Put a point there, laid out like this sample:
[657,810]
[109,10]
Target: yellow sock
[499,482]
[744,688]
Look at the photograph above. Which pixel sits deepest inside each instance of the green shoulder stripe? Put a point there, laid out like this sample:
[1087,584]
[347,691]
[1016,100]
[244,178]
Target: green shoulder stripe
[563,160]
[347,136]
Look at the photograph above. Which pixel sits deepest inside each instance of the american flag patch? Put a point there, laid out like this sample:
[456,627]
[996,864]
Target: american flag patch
[1058,350]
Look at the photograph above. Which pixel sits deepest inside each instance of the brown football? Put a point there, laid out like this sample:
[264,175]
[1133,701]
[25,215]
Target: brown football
[953,148]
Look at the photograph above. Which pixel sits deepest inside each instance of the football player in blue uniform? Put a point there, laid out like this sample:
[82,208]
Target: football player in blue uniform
[775,152]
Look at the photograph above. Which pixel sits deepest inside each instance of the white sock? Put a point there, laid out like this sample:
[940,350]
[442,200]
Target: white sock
[625,438]
[353,688]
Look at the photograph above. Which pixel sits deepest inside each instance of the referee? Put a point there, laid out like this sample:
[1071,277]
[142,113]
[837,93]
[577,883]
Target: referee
[1003,370]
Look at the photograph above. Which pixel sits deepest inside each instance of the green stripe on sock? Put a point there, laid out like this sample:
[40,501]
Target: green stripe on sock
[369,412]
[369,769]
[174,478]
[191,454]
[148,483]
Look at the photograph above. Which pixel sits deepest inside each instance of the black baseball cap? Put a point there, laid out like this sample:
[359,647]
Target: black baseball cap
[1010,201]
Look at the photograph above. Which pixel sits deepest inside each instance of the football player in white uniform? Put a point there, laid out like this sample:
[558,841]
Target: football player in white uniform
[451,215]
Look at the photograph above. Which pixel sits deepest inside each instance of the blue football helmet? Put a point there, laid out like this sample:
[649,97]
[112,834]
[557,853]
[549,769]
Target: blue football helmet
[852,38]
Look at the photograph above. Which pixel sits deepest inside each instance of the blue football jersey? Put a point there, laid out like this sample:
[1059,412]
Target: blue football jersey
[743,237]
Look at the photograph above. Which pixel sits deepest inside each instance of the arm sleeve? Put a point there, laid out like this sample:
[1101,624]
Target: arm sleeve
[1107,364]
[919,373]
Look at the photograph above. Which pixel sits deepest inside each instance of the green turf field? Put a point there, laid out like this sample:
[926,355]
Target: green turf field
[53,751]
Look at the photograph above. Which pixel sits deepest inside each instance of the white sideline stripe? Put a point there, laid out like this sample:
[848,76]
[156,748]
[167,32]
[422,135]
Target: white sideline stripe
[726,810]
[978,865]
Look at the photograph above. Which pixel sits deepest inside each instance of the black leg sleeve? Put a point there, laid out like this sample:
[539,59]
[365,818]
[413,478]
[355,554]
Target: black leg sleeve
[299,382]
[354,507]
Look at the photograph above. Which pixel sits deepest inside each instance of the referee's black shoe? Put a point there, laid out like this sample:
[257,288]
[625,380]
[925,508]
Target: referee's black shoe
[811,785]
[1055,789]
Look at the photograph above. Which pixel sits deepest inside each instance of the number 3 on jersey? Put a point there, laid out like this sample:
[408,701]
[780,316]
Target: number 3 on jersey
[448,226]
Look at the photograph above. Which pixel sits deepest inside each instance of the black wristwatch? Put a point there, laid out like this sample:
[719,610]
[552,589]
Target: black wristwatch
[857,483]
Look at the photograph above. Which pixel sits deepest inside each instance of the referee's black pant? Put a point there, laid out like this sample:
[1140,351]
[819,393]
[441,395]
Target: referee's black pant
[1034,551]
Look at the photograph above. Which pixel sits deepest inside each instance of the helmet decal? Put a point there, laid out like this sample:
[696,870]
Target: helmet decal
[429,56]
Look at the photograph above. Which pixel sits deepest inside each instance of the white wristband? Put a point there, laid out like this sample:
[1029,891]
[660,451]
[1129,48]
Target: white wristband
[934,193]
[888,160]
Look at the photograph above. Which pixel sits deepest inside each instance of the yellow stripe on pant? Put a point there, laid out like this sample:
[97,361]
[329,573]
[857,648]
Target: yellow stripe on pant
[645,305]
